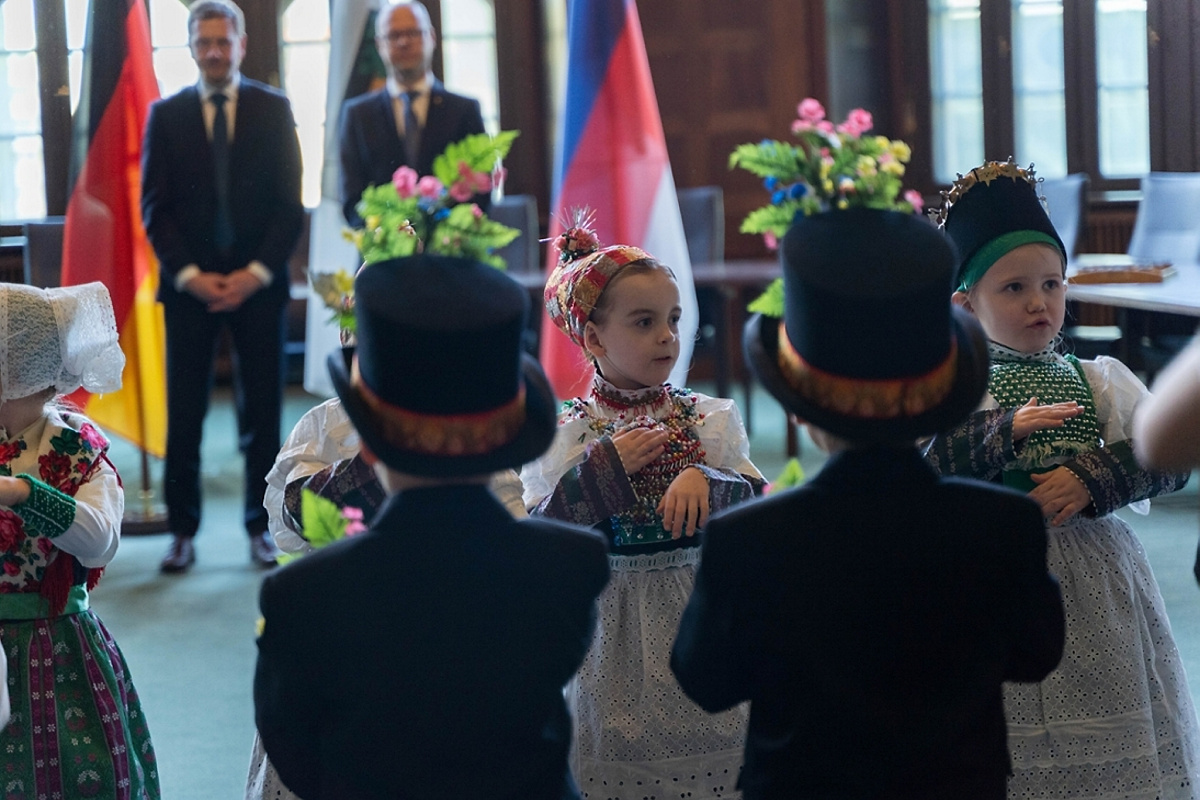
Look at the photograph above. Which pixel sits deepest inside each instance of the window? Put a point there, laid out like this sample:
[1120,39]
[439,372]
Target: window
[173,64]
[1003,76]
[468,41]
[956,84]
[305,35]
[22,181]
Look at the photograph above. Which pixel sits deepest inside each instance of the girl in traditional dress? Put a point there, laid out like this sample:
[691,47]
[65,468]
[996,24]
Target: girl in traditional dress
[1115,719]
[644,462]
[77,728]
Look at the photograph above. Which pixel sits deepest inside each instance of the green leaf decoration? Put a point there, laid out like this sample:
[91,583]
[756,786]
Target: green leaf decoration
[479,151]
[322,519]
[792,475]
[770,302]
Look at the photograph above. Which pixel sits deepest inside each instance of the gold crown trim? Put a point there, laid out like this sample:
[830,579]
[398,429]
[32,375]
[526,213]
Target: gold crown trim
[985,174]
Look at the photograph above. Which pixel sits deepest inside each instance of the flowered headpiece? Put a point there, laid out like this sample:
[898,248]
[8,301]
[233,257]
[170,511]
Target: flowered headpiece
[584,269]
[989,212]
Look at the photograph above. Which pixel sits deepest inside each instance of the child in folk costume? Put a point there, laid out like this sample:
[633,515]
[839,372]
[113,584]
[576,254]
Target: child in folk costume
[872,614]
[427,656]
[1115,719]
[645,463]
[77,728]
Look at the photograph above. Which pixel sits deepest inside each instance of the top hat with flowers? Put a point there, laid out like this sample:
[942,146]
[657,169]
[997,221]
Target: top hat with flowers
[439,385]
[430,214]
[859,337]
[992,210]
[870,347]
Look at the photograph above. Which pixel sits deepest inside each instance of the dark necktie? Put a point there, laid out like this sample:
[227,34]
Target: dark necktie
[412,129]
[223,227]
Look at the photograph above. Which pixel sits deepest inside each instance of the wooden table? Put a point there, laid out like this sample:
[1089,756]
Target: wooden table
[1177,294]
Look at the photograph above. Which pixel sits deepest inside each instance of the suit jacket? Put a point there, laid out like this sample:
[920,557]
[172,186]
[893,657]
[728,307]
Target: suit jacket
[426,658]
[371,149]
[870,617]
[179,194]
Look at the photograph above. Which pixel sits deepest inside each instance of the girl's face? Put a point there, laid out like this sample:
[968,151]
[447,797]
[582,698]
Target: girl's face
[637,344]
[1021,300]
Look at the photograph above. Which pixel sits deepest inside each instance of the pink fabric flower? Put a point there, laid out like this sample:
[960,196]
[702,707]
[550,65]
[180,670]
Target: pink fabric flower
[405,181]
[857,123]
[825,126]
[461,191]
[914,199]
[354,520]
[810,110]
[800,126]
[429,188]
[771,241]
[476,211]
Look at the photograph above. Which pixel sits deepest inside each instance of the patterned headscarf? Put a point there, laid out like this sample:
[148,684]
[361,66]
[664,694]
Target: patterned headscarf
[584,269]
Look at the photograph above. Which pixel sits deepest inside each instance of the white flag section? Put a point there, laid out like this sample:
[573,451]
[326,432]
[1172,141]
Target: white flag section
[666,241]
[328,249]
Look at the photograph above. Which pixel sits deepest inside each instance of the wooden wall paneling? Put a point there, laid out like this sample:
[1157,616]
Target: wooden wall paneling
[55,97]
[262,40]
[1174,93]
[722,80]
[521,72]
[907,53]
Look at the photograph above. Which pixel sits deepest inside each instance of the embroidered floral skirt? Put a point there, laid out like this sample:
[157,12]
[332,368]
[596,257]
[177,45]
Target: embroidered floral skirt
[77,729]
[636,734]
[1115,719]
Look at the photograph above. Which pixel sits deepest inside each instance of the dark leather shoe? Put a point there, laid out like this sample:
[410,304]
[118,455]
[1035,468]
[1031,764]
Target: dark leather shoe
[263,550]
[180,555]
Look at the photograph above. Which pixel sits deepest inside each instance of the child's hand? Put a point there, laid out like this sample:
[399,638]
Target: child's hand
[1060,494]
[1032,417]
[684,506]
[637,447]
[13,491]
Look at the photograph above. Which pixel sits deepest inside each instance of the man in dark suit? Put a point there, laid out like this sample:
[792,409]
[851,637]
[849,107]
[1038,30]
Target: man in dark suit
[221,205]
[871,615]
[411,120]
[426,657]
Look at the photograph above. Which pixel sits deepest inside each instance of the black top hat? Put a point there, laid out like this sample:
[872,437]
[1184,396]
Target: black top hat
[991,210]
[870,347]
[439,386]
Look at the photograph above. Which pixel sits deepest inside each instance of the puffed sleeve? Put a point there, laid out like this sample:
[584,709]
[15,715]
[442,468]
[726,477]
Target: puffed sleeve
[1111,473]
[322,437]
[93,531]
[580,479]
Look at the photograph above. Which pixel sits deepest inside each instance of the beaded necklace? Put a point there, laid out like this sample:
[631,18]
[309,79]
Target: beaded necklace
[662,406]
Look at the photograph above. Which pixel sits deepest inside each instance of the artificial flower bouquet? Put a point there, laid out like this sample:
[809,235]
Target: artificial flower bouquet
[828,167]
[432,214]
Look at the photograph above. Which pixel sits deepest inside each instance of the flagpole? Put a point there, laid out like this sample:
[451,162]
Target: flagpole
[147,519]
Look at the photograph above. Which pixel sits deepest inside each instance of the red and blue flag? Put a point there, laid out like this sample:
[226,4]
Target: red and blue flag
[613,160]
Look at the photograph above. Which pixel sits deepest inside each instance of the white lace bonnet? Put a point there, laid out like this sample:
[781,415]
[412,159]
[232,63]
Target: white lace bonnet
[65,338]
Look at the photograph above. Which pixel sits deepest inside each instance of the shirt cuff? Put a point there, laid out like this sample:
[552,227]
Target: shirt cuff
[258,270]
[184,275]
[47,512]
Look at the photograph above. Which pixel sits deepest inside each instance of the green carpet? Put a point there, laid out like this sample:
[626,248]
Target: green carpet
[189,639]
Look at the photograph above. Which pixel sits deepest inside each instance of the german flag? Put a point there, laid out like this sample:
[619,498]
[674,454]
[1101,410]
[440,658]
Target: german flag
[103,237]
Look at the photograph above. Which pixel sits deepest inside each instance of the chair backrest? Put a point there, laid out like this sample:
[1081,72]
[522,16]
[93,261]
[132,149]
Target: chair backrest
[44,252]
[519,211]
[703,212]
[1168,218]
[1066,202]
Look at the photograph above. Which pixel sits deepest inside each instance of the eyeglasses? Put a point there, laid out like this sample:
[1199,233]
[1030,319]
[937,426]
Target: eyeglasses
[412,34]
